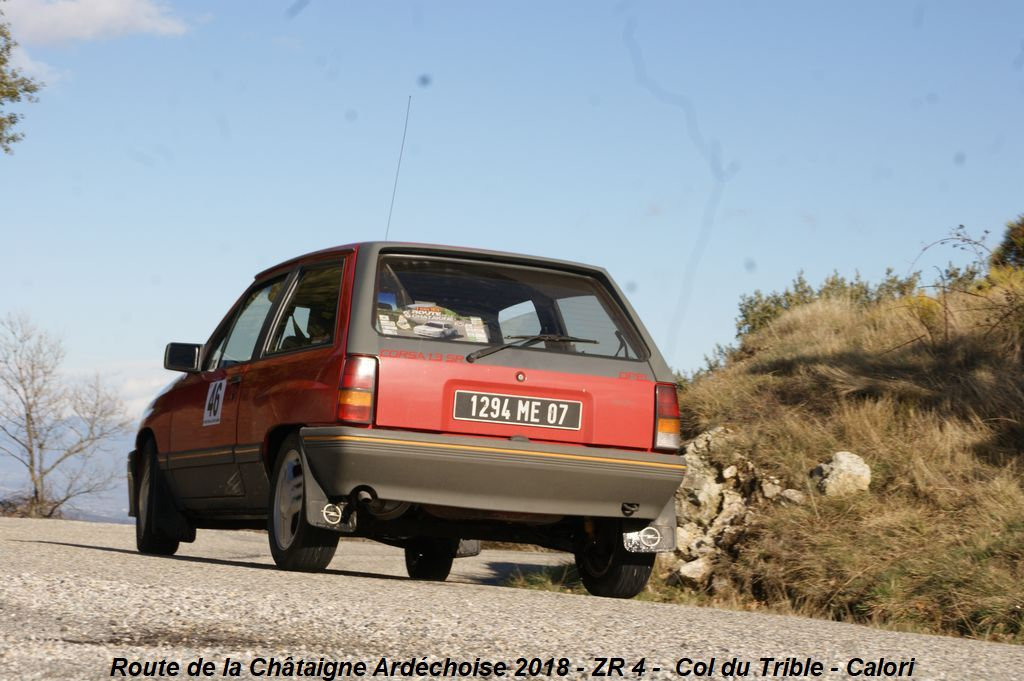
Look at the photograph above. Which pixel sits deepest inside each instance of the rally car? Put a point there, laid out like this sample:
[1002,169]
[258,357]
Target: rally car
[317,410]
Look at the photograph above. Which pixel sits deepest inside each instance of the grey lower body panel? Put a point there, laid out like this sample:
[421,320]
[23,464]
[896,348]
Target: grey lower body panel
[492,474]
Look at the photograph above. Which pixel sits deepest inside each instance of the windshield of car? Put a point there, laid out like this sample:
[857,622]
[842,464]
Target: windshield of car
[493,304]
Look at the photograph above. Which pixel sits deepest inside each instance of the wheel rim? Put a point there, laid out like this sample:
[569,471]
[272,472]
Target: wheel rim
[288,499]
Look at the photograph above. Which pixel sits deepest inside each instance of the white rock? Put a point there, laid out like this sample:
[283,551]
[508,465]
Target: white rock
[794,495]
[733,508]
[729,472]
[847,473]
[709,496]
[688,539]
[700,496]
[770,488]
[694,572]
[707,440]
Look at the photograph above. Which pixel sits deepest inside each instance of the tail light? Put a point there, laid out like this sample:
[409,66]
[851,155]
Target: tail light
[356,395]
[666,418]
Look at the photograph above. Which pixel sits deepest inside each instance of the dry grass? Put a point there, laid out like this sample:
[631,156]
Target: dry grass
[930,393]
[563,578]
[566,579]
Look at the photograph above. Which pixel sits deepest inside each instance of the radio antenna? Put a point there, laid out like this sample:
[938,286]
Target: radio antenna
[394,190]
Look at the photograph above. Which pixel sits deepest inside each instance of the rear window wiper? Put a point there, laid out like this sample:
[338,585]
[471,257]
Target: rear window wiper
[525,341]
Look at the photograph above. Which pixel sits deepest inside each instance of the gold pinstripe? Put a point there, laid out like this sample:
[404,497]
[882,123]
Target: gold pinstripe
[478,448]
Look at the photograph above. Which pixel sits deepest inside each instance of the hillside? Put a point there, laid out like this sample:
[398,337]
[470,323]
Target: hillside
[927,389]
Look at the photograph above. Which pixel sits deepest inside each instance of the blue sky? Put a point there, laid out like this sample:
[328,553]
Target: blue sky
[180,147]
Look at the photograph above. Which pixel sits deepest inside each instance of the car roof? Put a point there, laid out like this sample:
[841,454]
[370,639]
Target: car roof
[413,247]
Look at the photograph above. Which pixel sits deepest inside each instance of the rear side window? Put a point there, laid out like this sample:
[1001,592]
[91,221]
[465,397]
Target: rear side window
[463,301]
[310,315]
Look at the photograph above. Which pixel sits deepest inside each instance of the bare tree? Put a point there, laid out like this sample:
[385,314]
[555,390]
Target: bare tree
[54,427]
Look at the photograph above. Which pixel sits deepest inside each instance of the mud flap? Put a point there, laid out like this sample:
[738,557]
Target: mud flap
[320,512]
[169,520]
[657,536]
[133,503]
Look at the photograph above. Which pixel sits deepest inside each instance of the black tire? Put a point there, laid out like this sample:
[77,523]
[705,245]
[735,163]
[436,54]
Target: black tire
[430,559]
[148,538]
[607,569]
[295,544]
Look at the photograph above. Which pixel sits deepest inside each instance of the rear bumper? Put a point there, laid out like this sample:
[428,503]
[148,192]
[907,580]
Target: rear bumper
[491,474]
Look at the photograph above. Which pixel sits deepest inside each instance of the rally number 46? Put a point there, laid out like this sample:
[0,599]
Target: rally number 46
[214,402]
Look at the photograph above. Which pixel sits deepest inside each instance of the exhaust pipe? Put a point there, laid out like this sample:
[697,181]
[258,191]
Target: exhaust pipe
[363,495]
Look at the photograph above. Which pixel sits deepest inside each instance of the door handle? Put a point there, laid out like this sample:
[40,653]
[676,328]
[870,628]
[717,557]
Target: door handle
[232,389]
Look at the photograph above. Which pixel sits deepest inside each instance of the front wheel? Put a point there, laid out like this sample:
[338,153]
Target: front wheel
[148,538]
[430,559]
[607,569]
[295,544]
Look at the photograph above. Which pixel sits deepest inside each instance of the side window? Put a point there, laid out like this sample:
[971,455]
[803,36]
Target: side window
[519,320]
[213,359]
[239,343]
[309,317]
[585,317]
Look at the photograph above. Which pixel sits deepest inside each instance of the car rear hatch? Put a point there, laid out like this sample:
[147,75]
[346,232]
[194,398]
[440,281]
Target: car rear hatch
[509,350]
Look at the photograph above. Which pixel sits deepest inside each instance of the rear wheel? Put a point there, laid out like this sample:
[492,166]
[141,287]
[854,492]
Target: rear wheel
[148,539]
[607,569]
[430,559]
[295,544]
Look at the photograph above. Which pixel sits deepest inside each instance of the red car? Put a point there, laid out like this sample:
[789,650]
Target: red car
[537,409]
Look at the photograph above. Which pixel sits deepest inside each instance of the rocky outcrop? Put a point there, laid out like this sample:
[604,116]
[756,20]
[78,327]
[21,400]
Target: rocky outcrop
[714,504]
[845,474]
[716,501]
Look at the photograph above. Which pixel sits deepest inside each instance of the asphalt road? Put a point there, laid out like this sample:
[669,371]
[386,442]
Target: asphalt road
[75,596]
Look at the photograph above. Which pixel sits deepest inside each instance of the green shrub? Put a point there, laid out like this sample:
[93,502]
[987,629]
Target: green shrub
[758,310]
[1010,251]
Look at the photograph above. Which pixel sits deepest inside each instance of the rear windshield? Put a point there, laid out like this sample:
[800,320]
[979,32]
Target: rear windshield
[461,301]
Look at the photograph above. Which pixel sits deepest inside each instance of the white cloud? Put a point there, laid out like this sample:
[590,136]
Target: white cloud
[138,392]
[34,68]
[135,382]
[56,21]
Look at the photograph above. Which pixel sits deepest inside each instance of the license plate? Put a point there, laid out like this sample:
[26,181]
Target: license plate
[517,410]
